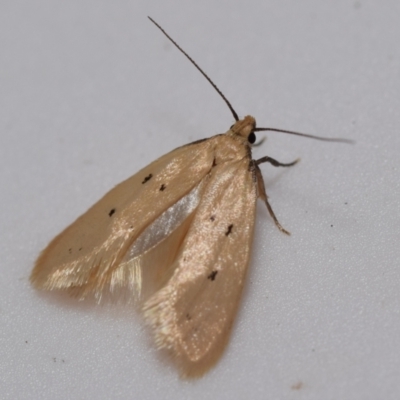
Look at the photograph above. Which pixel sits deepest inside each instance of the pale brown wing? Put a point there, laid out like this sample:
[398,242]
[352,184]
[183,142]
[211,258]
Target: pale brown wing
[85,253]
[193,314]
[148,263]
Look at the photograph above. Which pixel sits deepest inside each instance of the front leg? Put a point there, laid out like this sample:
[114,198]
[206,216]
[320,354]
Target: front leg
[276,163]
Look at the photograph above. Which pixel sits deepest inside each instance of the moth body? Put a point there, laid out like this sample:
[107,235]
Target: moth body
[175,238]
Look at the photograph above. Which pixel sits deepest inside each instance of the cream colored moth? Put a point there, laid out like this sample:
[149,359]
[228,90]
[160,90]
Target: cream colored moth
[176,237]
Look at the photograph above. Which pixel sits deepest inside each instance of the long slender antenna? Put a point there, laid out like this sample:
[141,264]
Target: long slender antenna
[203,73]
[304,135]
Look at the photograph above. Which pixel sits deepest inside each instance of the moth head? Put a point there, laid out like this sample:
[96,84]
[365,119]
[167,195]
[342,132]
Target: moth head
[244,128]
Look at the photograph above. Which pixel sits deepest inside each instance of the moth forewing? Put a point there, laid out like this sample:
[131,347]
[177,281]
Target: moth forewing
[83,256]
[146,265]
[193,314]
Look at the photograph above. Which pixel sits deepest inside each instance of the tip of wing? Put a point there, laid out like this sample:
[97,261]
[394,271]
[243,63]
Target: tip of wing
[168,334]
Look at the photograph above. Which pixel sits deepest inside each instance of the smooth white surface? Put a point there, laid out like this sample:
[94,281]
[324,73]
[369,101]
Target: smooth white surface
[91,91]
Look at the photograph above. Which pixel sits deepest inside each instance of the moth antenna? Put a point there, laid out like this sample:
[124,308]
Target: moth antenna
[305,135]
[194,63]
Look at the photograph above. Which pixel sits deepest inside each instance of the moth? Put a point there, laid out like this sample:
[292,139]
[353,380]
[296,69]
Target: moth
[176,238]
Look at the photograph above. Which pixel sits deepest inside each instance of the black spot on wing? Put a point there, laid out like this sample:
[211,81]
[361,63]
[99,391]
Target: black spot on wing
[212,218]
[70,250]
[162,188]
[212,276]
[229,230]
[147,178]
[112,211]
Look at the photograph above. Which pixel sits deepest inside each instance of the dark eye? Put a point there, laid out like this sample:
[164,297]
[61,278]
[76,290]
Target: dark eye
[251,138]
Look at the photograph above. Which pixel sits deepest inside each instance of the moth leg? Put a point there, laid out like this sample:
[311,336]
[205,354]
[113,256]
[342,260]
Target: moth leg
[275,163]
[260,142]
[263,195]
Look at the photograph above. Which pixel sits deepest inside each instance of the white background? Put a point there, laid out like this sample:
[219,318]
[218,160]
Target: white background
[91,91]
